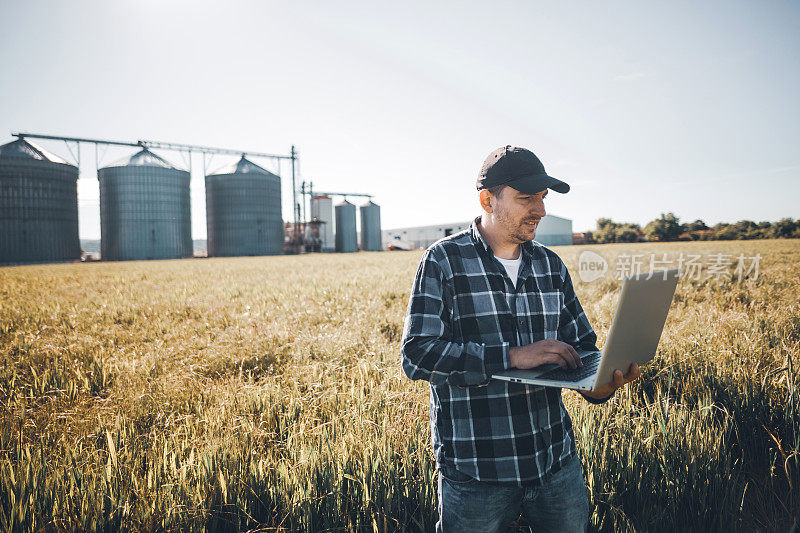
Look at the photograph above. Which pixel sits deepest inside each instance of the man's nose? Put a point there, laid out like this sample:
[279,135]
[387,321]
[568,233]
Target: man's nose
[538,209]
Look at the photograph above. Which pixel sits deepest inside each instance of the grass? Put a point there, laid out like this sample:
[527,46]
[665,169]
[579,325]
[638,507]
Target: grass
[266,394]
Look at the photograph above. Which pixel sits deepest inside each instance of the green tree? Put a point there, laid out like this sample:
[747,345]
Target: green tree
[606,231]
[665,228]
[697,225]
[746,229]
[628,233]
[785,228]
[606,223]
[610,231]
[727,233]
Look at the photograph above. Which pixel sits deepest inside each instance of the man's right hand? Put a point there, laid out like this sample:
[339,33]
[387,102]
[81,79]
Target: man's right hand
[542,352]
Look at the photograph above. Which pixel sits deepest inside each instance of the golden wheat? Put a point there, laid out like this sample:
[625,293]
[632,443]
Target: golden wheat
[266,393]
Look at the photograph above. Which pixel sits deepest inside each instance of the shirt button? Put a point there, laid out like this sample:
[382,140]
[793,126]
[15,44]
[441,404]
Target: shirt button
[522,322]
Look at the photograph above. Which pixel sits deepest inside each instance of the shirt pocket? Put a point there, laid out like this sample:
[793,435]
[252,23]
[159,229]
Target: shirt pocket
[483,318]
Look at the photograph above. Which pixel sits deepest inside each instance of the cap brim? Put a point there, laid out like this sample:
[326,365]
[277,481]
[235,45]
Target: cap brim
[535,183]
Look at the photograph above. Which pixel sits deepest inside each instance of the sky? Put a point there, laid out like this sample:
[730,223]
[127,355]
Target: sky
[642,107]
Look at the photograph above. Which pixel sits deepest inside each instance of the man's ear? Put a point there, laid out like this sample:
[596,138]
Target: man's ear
[486,200]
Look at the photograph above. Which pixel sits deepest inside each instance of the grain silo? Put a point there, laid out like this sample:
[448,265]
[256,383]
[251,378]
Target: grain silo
[346,238]
[371,240]
[243,210]
[322,209]
[144,209]
[38,205]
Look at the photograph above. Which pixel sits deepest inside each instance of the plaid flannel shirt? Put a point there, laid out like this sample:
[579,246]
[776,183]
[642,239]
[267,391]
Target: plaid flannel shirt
[463,317]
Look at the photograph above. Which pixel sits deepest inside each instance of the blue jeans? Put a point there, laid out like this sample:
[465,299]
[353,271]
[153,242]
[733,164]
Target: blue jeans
[466,504]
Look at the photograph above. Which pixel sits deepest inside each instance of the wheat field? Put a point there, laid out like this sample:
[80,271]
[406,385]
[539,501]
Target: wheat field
[265,394]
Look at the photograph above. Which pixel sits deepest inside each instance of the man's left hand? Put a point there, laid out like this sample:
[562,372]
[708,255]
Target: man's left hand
[617,381]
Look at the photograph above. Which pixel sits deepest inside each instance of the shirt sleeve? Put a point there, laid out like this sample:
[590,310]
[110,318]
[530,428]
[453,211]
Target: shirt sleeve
[593,401]
[428,351]
[573,325]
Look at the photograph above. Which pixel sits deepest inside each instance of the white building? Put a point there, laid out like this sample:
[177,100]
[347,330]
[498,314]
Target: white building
[551,231]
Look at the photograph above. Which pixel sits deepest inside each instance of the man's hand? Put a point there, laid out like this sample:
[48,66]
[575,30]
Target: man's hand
[617,381]
[546,351]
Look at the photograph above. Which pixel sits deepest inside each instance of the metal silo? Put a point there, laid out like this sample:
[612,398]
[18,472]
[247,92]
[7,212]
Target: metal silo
[322,209]
[346,239]
[371,240]
[38,205]
[144,209]
[243,211]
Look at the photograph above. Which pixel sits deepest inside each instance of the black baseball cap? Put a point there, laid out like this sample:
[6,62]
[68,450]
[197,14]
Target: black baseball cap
[518,168]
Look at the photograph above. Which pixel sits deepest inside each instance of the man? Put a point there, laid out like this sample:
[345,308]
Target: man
[486,300]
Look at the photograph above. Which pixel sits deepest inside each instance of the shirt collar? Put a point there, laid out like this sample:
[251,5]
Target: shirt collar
[480,242]
[477,237]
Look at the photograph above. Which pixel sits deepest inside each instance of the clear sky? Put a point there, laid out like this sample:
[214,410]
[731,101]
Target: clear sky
[642,107]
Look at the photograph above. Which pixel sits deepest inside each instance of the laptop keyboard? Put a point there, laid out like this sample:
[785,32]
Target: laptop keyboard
[590,364]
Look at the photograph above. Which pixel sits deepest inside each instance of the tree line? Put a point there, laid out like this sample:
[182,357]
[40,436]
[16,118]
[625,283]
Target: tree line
[668,227]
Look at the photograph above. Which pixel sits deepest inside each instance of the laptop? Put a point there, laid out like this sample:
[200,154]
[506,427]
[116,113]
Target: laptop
[633,338]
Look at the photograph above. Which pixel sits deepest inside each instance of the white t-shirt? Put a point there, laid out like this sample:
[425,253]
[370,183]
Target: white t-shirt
[512,267]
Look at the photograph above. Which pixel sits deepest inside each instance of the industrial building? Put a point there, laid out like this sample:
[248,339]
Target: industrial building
[322,210]
[243,211]
[551,231]
[371,238]
[144,209]
[346,235]
[38,205]
[327,224]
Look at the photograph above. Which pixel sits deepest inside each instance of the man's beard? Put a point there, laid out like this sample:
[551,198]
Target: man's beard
[516,230]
